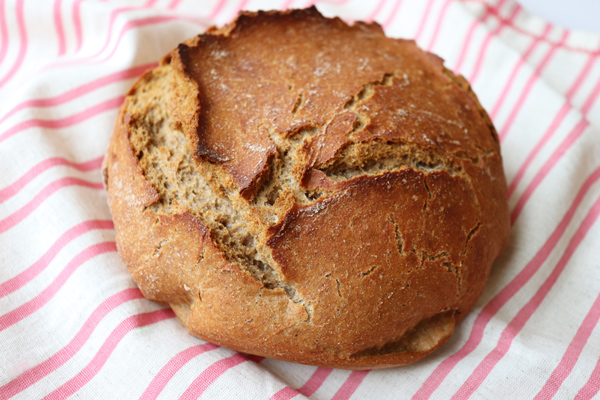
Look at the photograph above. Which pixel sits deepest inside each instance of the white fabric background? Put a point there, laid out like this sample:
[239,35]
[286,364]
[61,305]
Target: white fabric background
[71,320]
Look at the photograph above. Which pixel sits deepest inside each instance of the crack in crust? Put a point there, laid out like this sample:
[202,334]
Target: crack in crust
[399,241]
[184,185]
[368,90]
[159,247]
[369,271]
[298,104]
[339,288]
[471,234]
[360,159]
[374,159]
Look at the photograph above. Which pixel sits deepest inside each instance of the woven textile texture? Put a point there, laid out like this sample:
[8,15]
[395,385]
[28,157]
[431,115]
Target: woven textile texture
[73,323]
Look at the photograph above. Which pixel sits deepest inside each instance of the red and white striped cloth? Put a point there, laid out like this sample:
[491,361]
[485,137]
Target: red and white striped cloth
[72,321]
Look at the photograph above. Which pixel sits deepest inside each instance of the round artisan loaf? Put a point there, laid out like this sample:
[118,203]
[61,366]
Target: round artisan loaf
[303,189]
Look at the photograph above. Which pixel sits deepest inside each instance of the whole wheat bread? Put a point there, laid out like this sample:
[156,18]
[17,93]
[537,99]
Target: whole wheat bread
[303,189]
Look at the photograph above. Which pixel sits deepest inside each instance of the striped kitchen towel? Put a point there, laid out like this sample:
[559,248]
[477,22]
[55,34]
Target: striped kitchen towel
[73,323]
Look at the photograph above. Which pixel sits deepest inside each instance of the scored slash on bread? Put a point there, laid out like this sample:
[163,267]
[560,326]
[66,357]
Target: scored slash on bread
[303,189]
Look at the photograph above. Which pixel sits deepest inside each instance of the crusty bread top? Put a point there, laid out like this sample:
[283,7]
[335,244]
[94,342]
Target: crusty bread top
[273,76]
[350,187]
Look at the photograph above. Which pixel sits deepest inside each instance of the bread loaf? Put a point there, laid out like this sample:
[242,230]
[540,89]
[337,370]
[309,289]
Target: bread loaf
[303,189]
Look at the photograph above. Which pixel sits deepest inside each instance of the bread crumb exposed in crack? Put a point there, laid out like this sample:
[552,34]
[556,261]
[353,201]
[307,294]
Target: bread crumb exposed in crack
[164,157]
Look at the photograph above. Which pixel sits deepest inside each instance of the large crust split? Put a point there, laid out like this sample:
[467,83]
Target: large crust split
[302,189]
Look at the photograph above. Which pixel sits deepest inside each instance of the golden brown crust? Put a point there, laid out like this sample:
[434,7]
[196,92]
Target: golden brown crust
[302,189]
